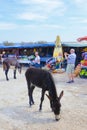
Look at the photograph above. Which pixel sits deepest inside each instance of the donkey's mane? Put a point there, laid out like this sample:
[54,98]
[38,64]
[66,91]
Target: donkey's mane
[52,89]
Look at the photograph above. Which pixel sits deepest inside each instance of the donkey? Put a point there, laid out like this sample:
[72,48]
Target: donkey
[7,62]
[44,80]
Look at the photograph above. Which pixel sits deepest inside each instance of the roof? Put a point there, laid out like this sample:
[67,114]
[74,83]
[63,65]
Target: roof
[42,45]
[75,44]
[33,45]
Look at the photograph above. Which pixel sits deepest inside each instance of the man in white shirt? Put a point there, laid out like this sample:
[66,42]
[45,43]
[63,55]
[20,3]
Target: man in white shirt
[71,59]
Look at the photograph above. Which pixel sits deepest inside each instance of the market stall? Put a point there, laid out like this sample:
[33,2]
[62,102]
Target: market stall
[83,72]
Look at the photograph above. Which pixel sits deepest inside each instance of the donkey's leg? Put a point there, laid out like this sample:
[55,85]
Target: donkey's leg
[51,104]
[42,98]
[14,73]
[6,74]
[31,94]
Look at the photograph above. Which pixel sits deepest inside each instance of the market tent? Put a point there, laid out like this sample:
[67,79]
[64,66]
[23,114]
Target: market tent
[79,47]
[47,48]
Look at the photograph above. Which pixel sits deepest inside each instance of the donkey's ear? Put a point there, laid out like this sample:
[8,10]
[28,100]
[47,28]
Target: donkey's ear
[48,96]
[61,94]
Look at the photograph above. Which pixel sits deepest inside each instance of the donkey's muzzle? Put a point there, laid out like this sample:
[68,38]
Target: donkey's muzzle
[57,117]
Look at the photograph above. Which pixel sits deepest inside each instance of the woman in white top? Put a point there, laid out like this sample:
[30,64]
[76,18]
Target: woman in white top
[37,60]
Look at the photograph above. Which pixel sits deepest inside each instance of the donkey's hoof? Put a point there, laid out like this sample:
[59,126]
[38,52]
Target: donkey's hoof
[32,103]
[40,110]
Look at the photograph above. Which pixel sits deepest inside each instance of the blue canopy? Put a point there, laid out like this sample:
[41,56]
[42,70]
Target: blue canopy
[33,45]
[42,45]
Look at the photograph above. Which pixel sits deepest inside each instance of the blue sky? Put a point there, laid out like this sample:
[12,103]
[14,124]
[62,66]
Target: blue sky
[42,20]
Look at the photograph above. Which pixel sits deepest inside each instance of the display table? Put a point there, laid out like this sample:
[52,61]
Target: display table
[83,72]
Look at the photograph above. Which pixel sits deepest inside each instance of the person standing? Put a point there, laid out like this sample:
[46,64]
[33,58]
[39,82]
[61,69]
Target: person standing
[71,59]
[36,60]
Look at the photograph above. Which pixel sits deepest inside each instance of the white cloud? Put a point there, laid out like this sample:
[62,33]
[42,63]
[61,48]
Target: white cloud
[53,26]
[7,26]
[46,6]
[41,26]
[83,21]
[41,9]
[78,20]
[31,16]
[82,4]
[79,1]
[45,2]
[12,26]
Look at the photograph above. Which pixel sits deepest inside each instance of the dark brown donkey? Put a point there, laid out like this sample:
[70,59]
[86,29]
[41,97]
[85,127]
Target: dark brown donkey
[7,62]
[44,80]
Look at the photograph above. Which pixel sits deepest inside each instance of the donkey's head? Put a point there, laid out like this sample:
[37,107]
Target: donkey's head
[56,105]
[6,65]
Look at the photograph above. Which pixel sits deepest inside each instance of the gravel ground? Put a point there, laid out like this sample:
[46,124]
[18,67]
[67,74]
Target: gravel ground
[15,113]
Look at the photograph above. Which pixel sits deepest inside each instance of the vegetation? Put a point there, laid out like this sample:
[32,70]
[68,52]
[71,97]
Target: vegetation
[6,43]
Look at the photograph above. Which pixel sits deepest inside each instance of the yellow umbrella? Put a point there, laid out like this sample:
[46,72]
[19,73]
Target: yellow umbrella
[58,52]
